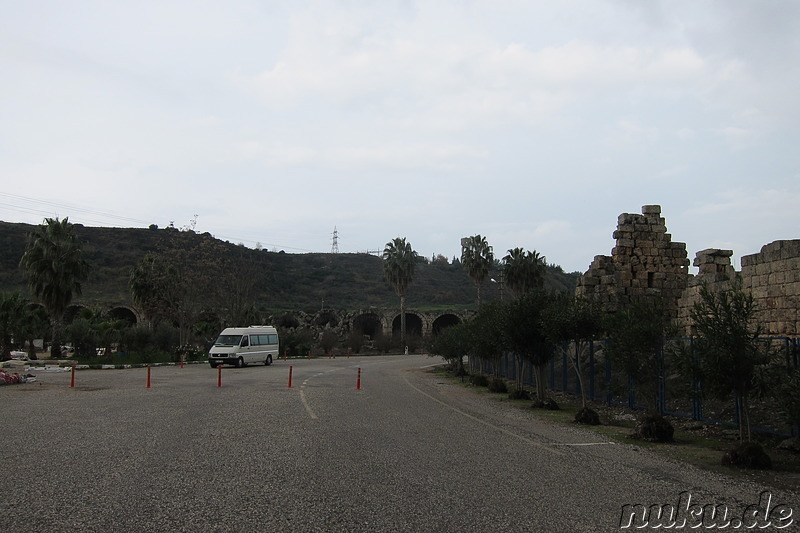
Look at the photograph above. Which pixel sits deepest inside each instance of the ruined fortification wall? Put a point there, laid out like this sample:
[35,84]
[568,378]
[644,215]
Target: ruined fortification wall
[646,261]
[772,276]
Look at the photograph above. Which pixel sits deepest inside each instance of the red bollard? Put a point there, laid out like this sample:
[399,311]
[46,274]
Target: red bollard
[290,378]
[219,376]
[309,355]
[358,381]
[181,361]
[72,378]
[148,376]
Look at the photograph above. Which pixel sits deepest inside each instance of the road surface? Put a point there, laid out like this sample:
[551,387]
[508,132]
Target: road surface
[408,451]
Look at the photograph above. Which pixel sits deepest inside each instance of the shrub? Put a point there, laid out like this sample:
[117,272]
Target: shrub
[498,385]
[479,380]
[653,428]
[587,416]
[747,455]
[519,394]
[547,403]
[328,340]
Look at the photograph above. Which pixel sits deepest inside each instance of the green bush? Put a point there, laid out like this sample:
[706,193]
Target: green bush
[479,380]
[747,455]
[498,385]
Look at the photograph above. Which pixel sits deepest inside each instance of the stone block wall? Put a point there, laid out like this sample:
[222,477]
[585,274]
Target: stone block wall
[646,261]
[773,276]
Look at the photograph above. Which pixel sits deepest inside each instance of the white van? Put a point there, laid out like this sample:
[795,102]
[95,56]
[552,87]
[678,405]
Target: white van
[242,346]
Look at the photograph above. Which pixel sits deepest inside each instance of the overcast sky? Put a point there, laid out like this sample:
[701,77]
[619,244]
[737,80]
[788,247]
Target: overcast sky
[533,123]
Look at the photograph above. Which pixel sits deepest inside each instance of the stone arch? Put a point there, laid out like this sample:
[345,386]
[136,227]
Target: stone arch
[326,317]
[369,324]
[414,324]
[443,321]
[123,314]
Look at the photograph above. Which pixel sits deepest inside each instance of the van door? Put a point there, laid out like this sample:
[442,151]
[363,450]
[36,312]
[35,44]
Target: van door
[244,349]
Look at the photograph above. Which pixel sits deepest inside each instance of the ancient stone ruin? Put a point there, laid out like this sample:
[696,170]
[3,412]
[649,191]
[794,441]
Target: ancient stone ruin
[646,261]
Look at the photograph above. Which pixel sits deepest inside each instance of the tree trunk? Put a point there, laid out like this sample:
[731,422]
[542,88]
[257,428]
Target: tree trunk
[540,371]
[403,322]
[579,373]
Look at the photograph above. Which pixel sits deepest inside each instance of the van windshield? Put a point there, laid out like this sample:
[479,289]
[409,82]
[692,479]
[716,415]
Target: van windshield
[228,340]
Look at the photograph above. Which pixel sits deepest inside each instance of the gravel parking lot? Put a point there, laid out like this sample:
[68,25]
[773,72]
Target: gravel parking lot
[406,452]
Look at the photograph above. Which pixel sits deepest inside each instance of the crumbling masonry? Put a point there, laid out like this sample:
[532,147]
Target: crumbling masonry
[646,261]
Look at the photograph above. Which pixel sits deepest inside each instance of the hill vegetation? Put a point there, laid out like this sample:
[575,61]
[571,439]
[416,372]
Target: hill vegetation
[280,281]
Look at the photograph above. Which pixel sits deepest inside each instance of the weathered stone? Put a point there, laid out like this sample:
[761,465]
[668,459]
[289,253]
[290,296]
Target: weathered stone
[646,261]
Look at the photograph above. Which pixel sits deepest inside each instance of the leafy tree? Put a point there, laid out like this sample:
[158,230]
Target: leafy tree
[34,325]
[237,282]
[398,268]
[297,342]
[108,333]
[153,282]
[477,257]
[787,393]
[727,348]
[452,343]
[182,279]
[488,334]
[528,336]
[576,320]
[82,337]
[637,332]
[355,340]
[524,271]
[12,310]
[54,267]
[328,340]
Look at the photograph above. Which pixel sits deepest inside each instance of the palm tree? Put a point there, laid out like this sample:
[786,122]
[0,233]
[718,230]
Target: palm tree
[54,268]
[12,309]
[524,271]
[398,268]
[477,258]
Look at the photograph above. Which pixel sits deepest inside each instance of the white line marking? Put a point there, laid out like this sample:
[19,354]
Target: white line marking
[485,423]
[582,443]
[310,411]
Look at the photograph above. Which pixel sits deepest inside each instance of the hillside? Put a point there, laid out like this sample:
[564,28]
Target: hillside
[283,280]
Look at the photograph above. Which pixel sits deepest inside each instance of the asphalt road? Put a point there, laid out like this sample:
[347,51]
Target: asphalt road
[407,452]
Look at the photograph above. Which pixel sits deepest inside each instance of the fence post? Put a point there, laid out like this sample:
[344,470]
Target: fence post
[578,391]
[609,396]
[661,391]
[697,406]
[591,369]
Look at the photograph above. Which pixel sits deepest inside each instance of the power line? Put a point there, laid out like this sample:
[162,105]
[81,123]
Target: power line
[72,208]
[44,212]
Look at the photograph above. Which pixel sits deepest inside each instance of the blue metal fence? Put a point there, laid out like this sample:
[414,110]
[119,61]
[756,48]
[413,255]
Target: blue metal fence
[675,396]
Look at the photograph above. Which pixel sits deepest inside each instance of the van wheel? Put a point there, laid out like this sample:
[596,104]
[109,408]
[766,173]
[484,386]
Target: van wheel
[239,363]
[268,361]
[213,365]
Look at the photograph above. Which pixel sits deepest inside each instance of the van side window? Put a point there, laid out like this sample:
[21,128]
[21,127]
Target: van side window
[273,339]
[245,341]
